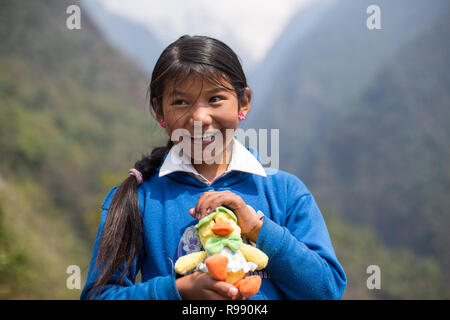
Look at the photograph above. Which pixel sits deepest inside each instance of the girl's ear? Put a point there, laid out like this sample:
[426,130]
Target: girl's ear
[245,101]
[157,109]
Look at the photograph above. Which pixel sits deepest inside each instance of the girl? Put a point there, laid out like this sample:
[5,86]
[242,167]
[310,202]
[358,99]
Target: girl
[199,93]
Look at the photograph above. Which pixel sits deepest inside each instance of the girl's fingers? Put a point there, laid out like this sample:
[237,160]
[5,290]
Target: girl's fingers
[227,199]
[212,295]
[212,289]
[198,212]
[213,201]
[210,200]
[247,220]
[226,290]
[208,204]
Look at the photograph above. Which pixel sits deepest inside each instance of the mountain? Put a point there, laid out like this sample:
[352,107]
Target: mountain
[389,153]
[328,65]
[132,39]
[261,77]
[144,45]
[363,120]
[73,118]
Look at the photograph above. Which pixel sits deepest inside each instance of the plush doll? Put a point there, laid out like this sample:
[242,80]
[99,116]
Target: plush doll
[226,257]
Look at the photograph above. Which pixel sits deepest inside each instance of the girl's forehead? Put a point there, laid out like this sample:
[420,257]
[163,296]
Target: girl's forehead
[194,84]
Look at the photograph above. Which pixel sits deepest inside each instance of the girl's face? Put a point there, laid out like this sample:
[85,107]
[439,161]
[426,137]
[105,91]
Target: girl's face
[203,116]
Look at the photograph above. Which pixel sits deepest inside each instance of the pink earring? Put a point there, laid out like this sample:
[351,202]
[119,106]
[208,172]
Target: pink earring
[162,123]
[241,116]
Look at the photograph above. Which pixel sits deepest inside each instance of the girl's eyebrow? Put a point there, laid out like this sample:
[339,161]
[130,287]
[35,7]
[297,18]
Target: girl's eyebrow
[213,90]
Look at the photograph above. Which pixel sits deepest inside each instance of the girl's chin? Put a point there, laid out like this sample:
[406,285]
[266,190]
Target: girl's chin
[205,157]
[208,156]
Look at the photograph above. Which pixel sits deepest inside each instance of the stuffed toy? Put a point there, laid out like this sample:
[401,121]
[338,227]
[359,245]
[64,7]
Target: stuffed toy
[226,257]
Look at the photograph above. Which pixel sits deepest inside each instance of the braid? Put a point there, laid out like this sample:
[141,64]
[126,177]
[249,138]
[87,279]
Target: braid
[148,164]
[121,240]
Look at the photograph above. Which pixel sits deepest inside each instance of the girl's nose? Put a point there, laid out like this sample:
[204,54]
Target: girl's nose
[202,114]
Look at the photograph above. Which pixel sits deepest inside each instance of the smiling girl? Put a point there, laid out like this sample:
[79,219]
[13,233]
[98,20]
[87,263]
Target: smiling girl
[199,94]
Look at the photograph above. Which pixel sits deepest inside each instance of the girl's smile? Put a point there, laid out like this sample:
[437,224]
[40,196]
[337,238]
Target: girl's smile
[206,139]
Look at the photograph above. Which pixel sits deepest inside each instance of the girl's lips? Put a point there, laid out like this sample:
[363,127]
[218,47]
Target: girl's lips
[206,138]
[204,142]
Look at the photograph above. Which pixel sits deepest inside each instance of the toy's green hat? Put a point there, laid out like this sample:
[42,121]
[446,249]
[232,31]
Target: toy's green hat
[212,215]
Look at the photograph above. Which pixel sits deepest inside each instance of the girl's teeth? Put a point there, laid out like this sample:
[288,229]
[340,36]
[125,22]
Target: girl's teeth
[203,138]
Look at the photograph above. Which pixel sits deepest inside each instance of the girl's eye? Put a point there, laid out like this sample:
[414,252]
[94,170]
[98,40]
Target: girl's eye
[212,100]
[218,97]
[179,102]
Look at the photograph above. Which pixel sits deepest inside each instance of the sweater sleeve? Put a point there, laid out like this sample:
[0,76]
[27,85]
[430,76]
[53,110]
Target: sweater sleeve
[158,288]
[302,261]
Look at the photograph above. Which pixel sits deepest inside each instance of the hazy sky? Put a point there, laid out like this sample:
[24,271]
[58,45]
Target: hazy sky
[249,26]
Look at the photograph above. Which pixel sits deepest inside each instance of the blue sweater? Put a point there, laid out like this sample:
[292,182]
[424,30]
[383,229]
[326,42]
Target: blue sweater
[302,262]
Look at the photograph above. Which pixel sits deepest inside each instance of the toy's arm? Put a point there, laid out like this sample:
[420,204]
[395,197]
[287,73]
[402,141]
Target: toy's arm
[255,255]
[188,262]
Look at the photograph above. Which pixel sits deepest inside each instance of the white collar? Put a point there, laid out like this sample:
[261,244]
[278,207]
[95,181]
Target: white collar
[241,160]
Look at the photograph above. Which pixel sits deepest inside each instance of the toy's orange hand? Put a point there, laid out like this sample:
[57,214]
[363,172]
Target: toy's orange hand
[249,286]
[247,220]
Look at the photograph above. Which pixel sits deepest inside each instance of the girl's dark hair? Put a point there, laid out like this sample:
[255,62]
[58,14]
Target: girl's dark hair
[122,233]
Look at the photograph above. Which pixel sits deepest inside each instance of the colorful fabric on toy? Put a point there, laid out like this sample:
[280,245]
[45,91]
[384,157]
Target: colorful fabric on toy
[216,244]
[236,262]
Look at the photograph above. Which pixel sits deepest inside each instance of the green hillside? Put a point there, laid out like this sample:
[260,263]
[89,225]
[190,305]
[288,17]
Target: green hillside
[73,118]
[403,275]
[390,152]
[363,118]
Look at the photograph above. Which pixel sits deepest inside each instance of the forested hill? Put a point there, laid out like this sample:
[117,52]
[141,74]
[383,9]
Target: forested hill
[389,153]
[73,118]
[363,118]
[131,38]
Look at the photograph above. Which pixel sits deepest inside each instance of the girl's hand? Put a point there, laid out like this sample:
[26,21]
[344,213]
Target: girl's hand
[200,286]
[247,219]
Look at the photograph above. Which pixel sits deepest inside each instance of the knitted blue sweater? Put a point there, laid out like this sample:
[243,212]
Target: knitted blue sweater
[302,262]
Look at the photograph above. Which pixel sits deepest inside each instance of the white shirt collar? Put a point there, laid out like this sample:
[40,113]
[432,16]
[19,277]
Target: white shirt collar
[241,160]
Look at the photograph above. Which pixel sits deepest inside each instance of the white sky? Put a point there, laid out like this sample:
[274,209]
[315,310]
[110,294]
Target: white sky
[250,26]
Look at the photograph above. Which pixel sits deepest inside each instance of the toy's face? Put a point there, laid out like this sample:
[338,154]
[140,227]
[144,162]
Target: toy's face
[222,225]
